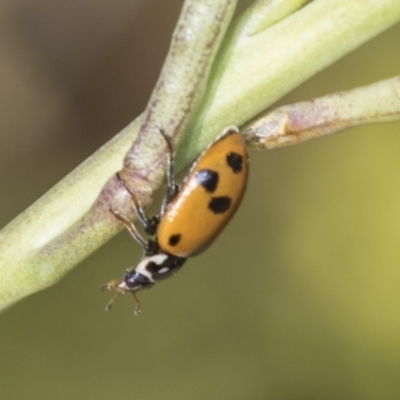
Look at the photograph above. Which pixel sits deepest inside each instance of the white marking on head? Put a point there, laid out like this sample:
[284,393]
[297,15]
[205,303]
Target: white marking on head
[163,270]
[158,259]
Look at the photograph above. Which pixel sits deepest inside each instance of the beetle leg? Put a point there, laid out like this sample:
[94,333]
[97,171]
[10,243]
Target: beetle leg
[137,310]
[131,228]
[172,186]
[150,225]
[108,286]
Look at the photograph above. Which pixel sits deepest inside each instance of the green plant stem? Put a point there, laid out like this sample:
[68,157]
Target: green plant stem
[73,219]
[258,64]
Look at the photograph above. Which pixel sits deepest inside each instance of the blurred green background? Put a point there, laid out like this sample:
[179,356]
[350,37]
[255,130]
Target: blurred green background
[298,299]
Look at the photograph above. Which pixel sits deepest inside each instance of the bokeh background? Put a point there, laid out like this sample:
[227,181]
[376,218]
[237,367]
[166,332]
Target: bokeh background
[298,299]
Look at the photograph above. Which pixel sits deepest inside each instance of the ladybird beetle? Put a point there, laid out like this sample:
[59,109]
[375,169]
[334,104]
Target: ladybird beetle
[192,215]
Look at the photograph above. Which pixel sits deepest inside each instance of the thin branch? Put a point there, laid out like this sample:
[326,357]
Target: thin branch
[296,123]
[180,86]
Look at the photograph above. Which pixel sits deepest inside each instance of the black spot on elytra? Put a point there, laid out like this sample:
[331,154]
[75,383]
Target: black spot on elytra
[219,205]
[208,179]
[235,162]
[174,239]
